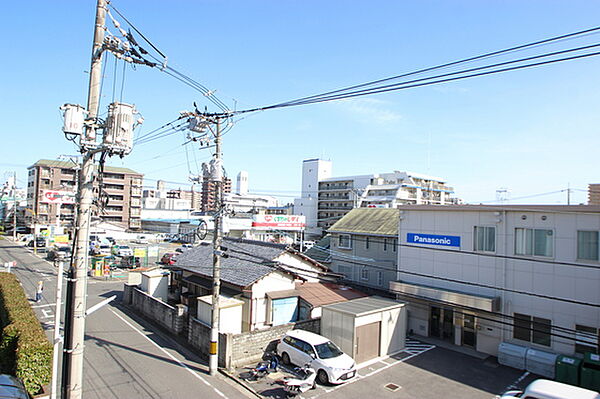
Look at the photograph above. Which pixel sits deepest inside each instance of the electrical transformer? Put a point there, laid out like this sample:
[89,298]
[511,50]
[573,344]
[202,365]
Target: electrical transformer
[74,117]
[118,132]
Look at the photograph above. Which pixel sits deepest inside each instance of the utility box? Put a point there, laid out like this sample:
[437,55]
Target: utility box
[366,328]
[590,372]
[567,370]
[74,118]
[230,313]
[541,363]
[156,283]
[118,133]
[512,355]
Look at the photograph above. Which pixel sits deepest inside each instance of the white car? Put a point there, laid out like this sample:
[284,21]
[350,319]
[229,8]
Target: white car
[331,364]
[124,250]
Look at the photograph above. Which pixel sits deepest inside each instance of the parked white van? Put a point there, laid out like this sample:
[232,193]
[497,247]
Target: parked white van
[331,364]
[546,389]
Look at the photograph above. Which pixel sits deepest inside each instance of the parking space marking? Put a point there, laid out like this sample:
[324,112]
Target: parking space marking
[413,348]
[47,313]
[515,384]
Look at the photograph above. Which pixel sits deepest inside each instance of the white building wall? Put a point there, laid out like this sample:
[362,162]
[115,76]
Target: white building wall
[540,276]
[275,281]
[313,170]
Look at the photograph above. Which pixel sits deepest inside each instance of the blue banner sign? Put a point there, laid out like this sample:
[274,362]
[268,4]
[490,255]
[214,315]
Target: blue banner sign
[431,239]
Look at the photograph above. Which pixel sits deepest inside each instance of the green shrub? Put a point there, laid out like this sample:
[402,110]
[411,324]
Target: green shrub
[24,349]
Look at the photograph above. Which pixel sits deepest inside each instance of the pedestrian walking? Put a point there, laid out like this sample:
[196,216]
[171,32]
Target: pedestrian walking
[40,290]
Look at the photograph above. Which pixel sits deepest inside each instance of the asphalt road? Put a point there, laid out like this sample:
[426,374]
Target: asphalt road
[124,356]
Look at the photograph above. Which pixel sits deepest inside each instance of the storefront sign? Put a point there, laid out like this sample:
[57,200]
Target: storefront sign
[282,222]
[58,197]
[431,239]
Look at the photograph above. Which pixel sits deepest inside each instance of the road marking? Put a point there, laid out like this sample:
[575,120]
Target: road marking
[514,384]
[412,353]
[43,306]
[198,376]
[47,313]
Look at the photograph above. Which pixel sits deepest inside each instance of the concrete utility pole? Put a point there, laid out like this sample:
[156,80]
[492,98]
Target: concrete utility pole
[15,207]
[77,283]
[213,362]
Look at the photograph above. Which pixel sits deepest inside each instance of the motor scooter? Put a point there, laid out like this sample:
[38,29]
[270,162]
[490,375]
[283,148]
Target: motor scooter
[306,381]
[264,367]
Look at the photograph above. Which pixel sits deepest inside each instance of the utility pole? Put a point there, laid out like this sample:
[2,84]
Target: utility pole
[217,175]
[15,206]
[77,282]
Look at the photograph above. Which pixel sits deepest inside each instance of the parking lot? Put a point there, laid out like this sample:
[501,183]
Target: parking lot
[420,371]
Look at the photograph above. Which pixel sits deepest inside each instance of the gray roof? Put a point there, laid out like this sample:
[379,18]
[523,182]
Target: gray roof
[69,165]
[364,306]
[248,261]
[320,251]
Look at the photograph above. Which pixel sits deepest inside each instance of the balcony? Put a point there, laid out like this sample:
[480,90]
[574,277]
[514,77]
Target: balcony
[136,192]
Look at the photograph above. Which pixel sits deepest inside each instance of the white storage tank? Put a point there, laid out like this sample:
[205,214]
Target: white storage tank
[230,315]
[512,355]
[366,328]
[156,283]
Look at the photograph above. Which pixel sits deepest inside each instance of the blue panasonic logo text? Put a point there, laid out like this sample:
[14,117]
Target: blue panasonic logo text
[431,239]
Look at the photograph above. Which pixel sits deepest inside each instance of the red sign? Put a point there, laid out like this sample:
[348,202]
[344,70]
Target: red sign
[58,197]
[279,221]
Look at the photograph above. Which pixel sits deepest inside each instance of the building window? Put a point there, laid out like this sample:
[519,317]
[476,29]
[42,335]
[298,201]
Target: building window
[344,241]
[379,278]
[485,239]
[367,242]
[586,339]
[537,242]
[521,327]
[587,245]
[364,274]
[532,329]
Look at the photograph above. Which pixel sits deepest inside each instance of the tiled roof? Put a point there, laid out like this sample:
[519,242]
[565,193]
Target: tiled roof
[248,261]
[69,165]
[376,221]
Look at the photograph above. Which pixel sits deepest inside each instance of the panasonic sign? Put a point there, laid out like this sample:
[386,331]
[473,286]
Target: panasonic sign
[431,239]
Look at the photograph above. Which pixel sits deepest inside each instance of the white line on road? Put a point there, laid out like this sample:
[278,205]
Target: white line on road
[198,376]
[44,305]
[47,313]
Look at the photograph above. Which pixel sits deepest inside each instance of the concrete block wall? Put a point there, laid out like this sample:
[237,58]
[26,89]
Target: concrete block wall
[199,338]
[167,316]
[249,347]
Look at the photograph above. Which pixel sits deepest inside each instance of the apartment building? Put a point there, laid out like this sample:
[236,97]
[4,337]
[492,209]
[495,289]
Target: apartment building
[338,195]
[594,194]
[477,276]
[51,188]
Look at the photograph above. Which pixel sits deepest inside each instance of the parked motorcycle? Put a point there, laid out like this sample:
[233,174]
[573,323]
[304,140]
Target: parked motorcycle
[306,381]
[263,368]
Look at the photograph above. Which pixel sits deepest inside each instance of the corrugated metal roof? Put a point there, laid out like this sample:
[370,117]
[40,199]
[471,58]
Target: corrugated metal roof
[320,251]
[509,208]
[379,221]
[248,261]
[364,306]
[69,165]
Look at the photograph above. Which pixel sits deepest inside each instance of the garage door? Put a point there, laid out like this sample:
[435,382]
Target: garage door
[367,342]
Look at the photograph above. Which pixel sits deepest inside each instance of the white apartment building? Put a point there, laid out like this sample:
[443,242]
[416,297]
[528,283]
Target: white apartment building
[243,202]
[477,276]
[313,171]
[338,195]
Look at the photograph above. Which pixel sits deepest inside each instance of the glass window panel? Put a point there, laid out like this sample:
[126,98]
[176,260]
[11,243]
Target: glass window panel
[587,245]
[543,242]
[522,327]
[541,331]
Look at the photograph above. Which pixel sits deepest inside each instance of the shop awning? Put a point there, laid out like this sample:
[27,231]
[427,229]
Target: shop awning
[481,302]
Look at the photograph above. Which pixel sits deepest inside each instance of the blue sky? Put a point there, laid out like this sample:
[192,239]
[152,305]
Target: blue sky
[531,131]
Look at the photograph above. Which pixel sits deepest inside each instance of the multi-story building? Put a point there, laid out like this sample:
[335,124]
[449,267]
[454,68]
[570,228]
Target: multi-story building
[594,194]
[209,194]
[363,247]
[477,275]
[49,179]
[313,171]
[338,195]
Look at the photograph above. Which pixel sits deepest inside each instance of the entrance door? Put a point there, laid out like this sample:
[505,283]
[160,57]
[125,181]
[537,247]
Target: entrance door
[441,323]
[367,342]
[434,322]
[469,336]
